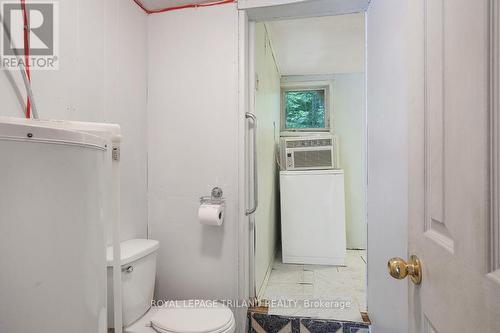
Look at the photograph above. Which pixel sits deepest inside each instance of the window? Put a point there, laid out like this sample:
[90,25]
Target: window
[305,109]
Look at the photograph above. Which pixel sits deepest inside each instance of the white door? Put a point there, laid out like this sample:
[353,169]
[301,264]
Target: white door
[452,226]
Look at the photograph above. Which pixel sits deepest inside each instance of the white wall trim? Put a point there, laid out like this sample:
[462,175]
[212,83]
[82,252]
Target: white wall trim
[262,288]
[494,137]
[305,84]
[387,134]
[288,79]
[244,254]
[244,271]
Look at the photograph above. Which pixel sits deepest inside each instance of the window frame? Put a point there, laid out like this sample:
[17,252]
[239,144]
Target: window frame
[307,86]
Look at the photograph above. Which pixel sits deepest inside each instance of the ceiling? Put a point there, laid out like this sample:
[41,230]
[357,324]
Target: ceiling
[157,4]
[269,10]
[319,45]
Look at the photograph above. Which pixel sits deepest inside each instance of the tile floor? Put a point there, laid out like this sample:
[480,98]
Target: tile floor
[315,291]
[264,323]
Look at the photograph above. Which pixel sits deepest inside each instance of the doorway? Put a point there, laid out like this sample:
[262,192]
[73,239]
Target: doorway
[387,158]
[310,229]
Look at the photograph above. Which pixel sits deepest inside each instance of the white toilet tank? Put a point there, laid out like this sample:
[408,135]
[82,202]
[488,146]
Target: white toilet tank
[138,261]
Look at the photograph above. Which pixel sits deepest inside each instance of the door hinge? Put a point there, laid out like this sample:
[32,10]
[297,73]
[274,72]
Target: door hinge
[116,153]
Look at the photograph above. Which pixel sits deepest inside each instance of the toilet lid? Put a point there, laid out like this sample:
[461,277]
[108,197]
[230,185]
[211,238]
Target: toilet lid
[187,317]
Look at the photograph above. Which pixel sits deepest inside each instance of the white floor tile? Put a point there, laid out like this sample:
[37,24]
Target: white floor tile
[342,289]
[285,276]
[284,290]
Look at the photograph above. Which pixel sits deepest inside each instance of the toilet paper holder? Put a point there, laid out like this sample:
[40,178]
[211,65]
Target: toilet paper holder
[215,198]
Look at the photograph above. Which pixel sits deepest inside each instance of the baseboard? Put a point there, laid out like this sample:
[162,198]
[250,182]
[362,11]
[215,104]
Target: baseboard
[262,287]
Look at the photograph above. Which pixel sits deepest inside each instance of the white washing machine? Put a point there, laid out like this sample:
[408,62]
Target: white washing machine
[313,217]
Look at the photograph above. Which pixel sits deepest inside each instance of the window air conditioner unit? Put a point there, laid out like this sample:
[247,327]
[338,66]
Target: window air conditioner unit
[309,153]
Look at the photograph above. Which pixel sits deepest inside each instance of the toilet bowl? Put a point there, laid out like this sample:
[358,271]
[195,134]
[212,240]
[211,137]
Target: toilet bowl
[138,261]
[201,320]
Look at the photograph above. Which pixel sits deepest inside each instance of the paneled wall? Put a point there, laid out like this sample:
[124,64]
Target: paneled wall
[193,146]
[101,78]
[267,109]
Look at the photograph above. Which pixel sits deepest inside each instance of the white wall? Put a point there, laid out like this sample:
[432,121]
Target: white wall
[387,110]
[193,146]
[102,78]
[349,124]
[267,109]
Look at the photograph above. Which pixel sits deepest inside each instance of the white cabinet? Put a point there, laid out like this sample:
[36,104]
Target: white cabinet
[313,217]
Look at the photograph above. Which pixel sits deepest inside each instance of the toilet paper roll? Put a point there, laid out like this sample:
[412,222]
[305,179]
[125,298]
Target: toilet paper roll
[210,214]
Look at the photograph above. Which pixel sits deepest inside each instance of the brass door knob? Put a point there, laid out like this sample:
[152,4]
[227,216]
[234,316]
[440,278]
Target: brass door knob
[399,269]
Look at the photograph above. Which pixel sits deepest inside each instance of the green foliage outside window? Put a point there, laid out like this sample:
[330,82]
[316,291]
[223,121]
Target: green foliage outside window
[304,109]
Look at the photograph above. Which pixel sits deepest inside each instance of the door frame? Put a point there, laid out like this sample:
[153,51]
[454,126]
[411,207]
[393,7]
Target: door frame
[377,277]
[387,300]
[250,14]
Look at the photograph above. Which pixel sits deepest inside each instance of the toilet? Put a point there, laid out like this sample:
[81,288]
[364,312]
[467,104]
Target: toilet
[138,261]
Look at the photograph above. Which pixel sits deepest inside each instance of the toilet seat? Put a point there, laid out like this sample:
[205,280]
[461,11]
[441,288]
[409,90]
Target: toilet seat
[217,318]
